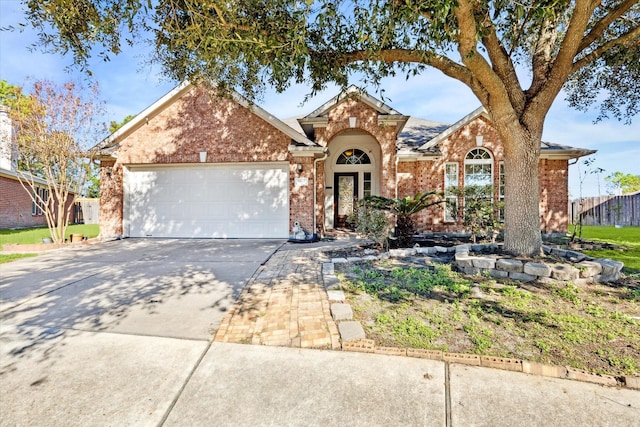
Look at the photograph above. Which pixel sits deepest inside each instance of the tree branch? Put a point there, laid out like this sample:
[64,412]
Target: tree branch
[496,96]
[562,65]
[599,28]
[623,40]
[502,65]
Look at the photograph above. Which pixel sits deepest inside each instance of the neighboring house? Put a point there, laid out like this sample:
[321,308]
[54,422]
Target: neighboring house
[17,210]
[193,165]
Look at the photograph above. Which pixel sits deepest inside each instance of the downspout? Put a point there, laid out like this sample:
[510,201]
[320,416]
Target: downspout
[396,175]
[315,188]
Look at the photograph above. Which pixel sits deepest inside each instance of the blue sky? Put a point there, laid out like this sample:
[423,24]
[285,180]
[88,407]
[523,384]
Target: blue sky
[129,86]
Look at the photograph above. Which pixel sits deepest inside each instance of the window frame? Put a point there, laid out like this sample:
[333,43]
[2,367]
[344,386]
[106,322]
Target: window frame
[452,199]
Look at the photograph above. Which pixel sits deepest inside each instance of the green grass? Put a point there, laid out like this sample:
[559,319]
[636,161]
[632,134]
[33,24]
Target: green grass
[594,327]
[12,257]
[35,235]
[627,237]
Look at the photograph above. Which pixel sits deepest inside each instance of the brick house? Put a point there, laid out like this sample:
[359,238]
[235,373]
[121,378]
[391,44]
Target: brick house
[17,209]
[193,165]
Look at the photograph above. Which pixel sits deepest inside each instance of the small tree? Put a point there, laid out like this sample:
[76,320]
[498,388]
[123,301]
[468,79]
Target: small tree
[582,175]
[53,131]
[479,212]
[404,209]
[371,222]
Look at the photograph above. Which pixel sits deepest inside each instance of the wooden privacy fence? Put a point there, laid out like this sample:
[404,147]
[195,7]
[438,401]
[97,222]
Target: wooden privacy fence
[607,210]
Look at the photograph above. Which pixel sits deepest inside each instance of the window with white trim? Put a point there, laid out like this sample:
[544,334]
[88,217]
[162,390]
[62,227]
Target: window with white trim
[478,168]
[450,183]
[41,200]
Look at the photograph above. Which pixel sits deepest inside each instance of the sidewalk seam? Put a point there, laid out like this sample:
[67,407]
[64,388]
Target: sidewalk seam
[447,395]
[184,385]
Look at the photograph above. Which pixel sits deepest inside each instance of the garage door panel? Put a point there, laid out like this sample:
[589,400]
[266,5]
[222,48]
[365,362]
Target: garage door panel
[208,201]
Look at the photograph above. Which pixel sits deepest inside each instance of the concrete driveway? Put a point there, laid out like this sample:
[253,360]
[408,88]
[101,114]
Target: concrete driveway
[116,326]
[169,288]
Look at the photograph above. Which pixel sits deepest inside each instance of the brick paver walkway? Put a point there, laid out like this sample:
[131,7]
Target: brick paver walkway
[284,304]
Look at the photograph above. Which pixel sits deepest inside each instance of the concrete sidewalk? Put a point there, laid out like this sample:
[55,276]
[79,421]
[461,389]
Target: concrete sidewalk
[112,379]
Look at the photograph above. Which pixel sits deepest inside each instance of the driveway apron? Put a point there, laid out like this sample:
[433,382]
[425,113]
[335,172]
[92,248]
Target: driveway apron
[112,331]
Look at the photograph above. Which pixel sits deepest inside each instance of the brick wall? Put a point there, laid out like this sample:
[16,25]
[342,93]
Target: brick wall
[429,175]
[553,178]
[227,131]
[15,206]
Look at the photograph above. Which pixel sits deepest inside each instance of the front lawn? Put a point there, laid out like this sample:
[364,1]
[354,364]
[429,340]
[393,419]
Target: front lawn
[35,235]
[27,236]
[627,240]
[594,327]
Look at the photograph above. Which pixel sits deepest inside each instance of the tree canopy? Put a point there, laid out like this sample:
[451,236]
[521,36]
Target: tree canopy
[53,132]
[516,57]
[623,183]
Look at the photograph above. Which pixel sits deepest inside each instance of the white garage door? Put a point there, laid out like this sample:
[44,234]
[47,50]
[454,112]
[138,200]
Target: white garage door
[227,200]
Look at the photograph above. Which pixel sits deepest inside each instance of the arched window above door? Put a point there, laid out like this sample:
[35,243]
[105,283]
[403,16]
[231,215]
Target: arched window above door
[353,156]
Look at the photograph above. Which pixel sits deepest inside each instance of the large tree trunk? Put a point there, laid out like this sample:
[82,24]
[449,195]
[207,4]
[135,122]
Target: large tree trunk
[522,198]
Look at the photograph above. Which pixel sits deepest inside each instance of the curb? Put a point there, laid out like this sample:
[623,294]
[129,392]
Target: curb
[365,345]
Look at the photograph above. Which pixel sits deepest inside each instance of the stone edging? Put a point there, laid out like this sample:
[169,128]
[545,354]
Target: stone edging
[353,337]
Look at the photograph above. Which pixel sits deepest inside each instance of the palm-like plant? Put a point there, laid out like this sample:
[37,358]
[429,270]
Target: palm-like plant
[404,208]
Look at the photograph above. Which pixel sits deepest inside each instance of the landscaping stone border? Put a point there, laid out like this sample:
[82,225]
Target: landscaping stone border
[588,269]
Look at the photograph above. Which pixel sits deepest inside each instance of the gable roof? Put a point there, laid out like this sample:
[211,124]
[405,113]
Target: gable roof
[320,115]
[110,144]
[352,92]
[422,138]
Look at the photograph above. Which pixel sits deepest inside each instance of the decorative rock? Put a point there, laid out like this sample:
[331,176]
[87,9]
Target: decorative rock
[589,268]
[472,271]
[464,260]
[340,311]
[426,251]
[370,251]
[575,256]
[477,248]
[332,282]
[564,272]
[351,331]
[511,265]
[440,249]
[402,253]
[337,296]
[498,274]
[523,277]
[369,258]
[354,259]
[609,266]
[338,260]
[327,268]
[463,248]
[546,249]
[484,262]
[537,269]
[559,252]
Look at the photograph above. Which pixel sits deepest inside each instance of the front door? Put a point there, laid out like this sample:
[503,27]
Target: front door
[345,197]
